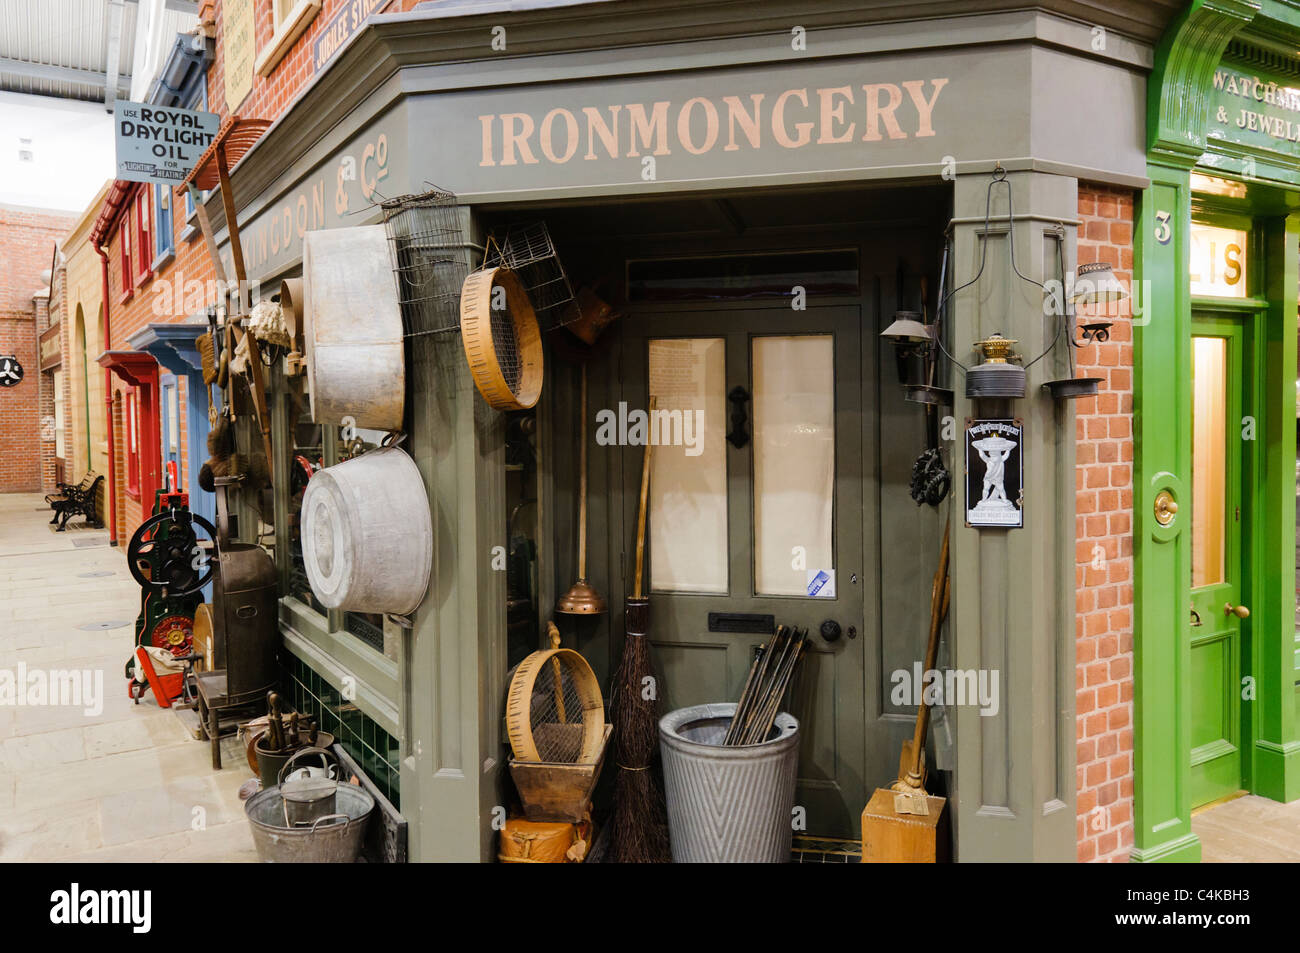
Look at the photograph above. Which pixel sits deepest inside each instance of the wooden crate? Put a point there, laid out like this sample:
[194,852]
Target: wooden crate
[552,791]
[892,838]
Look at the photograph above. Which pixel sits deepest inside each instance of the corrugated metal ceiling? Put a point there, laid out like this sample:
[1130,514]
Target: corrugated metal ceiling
[60,47]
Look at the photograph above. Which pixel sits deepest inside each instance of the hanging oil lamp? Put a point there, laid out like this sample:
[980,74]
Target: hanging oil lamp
[1095,283]
[996,376]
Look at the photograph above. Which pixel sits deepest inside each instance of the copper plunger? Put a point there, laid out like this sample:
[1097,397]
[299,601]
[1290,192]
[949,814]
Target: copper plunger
[582,599]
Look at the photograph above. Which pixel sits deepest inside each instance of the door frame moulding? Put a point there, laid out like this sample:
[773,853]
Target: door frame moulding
[1179,92]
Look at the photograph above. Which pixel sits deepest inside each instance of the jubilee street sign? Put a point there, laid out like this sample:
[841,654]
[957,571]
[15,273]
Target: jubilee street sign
[157,144]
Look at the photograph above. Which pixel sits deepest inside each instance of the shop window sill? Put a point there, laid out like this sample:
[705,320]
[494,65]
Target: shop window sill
[190,231]
[291,27]
[126,296]
[164,258]
[339,654]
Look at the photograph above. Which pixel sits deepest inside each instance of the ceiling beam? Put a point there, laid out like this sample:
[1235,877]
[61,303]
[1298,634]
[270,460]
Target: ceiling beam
[178,6]
[116,8]
[61,74]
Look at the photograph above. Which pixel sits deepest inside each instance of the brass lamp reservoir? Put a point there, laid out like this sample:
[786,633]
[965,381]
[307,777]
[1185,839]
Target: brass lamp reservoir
[996,376]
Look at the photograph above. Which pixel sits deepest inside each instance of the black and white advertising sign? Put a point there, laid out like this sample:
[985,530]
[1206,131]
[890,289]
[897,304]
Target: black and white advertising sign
[994,473]
[155,144]
[11,372]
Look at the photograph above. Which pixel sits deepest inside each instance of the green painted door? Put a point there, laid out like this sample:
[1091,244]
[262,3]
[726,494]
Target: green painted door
[768,525]
[1222,432]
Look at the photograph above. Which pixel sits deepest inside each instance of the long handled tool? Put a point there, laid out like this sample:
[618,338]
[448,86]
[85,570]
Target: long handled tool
[582,598]
[911,774]
[233,140]
[639,826]
[902,823]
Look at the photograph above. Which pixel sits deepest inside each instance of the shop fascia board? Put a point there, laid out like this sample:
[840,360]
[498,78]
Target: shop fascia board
[695,19]
[403,55]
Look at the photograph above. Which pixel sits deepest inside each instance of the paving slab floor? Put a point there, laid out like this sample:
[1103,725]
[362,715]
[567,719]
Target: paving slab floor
[1249,829]
[108,780]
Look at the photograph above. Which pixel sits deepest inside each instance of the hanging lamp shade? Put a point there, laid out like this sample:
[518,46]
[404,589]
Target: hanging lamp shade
[907,328]
[1095,283]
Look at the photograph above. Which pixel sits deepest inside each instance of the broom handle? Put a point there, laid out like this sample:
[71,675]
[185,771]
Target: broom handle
[582,483]
[640,519]
[938,610]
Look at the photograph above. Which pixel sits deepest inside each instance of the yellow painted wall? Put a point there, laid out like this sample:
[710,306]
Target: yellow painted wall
[85,297]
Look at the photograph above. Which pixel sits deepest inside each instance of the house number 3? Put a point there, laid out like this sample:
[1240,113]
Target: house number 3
[1163,232]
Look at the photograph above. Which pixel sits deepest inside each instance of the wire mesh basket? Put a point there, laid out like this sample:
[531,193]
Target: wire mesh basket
[528,251]
[432,258]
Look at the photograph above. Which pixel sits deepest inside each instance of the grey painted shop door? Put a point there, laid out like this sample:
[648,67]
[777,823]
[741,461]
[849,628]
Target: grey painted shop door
[756,509]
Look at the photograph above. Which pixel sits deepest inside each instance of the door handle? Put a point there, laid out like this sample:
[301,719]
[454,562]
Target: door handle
[1196,618]
[738,436]
[1241,612]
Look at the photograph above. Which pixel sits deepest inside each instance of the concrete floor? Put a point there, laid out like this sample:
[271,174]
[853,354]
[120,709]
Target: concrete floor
[125,783]
[1249,829]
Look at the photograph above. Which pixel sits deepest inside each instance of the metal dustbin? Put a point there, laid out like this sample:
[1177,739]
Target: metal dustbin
[727,804]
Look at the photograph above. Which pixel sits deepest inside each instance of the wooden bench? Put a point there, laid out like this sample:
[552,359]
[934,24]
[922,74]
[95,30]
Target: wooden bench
[71,500]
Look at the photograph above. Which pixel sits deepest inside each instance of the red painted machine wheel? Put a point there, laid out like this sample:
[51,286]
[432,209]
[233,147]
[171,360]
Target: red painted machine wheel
[175,633]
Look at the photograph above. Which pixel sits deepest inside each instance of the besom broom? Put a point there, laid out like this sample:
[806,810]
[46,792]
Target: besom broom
[639,826]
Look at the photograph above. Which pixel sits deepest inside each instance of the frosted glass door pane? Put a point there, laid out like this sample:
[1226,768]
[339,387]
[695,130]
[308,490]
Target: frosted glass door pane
[688,469]
[1209,459]
[794,461]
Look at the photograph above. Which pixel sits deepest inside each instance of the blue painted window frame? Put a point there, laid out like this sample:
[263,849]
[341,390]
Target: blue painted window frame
[198,101]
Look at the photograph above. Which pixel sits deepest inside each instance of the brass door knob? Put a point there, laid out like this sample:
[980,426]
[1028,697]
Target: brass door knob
[1165,507]
[1241,612]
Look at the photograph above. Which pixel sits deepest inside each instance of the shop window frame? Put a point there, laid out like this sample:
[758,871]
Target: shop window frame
[131,443]
[144,242]
[124,256]
[1212,211]
[163,220]
[291,18]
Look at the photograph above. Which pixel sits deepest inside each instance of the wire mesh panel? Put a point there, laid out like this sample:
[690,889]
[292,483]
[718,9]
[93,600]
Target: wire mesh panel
[432,257]
[529,252]
[556,714]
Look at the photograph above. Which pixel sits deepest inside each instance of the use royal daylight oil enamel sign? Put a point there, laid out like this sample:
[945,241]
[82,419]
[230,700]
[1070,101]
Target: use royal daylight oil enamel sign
[994,473]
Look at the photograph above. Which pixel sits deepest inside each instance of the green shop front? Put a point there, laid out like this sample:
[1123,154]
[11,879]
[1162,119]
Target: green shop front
[1216,662]
[756,208]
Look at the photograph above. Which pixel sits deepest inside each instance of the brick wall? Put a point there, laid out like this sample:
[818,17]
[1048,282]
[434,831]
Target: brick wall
[270,96]
[27,238]
[1104,557]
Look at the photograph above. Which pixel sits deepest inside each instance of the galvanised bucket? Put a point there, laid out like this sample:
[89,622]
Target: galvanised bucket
[333,839]
[728,804]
